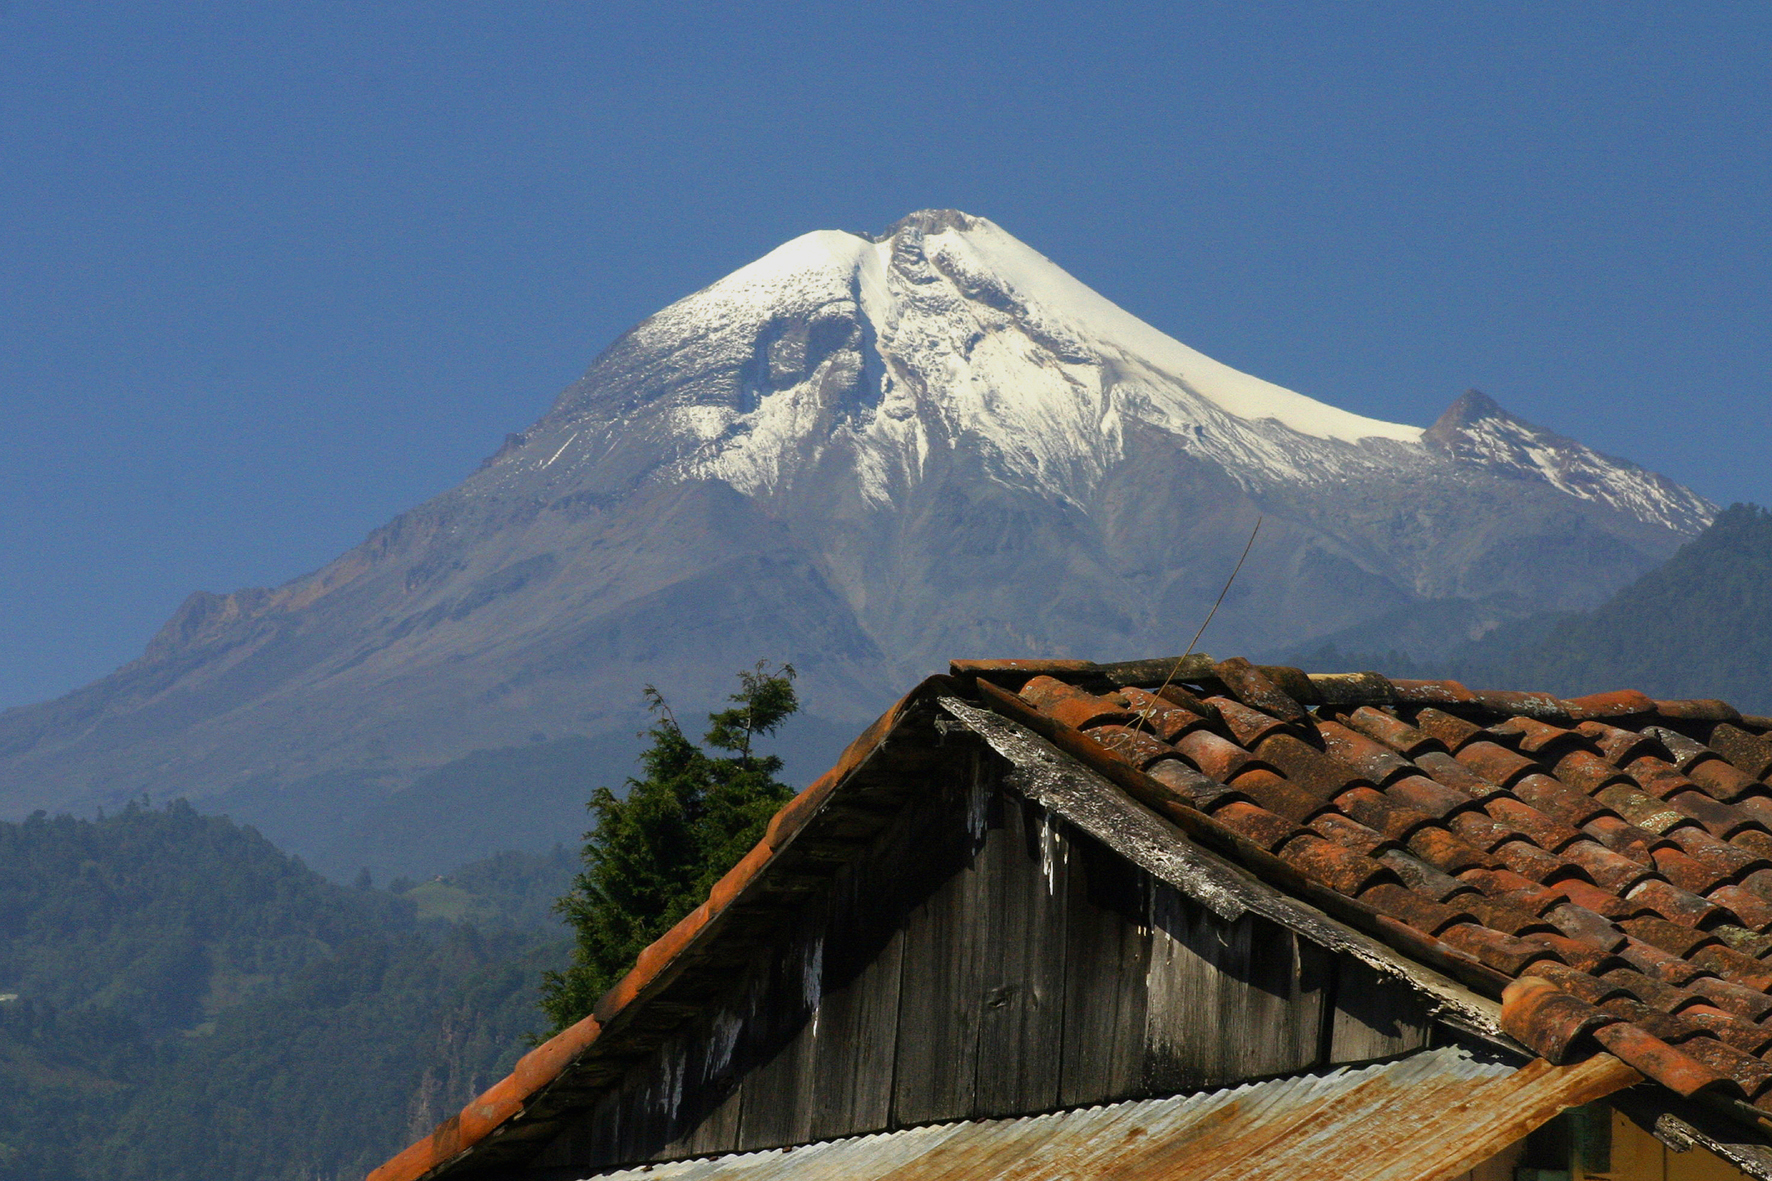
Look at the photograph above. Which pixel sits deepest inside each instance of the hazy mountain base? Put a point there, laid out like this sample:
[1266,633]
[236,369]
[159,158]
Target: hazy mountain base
[184,1001]
[1698,626]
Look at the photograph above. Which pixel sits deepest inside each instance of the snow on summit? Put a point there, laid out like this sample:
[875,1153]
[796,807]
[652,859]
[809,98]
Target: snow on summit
[859,358]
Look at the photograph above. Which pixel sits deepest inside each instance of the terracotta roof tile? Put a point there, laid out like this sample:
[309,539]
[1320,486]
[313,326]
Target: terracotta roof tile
[1250,686]
[1540,739]
[1597,842]
[1423,878]
[1215,756]
[1434,796]
[1504,953]
[1342,870]
[1686,751]
[1372,760]
[1620,746]
[1311,769]
[1578,922]
[1722,780]
[1748,752]
[1163,718]
[1546,832]
[1392,731]
[1447,853]
[1622,704]
[1247,725]
[1133,746]
[1351,834]
[1624,838]
[1257,824]
[1453,732]
[1499,765]
[1572,807]
[1415,692]
[1277,794]
[1750,906]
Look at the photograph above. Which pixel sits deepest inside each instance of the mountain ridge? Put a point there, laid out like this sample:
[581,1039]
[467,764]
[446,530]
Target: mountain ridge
[863,456]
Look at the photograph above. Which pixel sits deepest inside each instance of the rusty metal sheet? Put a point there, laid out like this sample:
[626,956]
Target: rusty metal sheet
[1426,1117]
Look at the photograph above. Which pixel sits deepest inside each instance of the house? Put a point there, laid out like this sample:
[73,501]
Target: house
[1187,919]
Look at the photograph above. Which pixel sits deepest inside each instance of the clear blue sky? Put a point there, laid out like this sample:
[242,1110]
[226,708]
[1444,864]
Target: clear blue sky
[271,273]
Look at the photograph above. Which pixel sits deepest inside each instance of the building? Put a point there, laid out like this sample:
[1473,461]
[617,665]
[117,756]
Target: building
[1179,919]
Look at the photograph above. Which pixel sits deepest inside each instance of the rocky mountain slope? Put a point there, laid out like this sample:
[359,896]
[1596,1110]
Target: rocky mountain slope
[863,455]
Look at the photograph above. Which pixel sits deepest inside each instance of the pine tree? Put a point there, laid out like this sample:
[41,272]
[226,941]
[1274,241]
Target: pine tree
[653,854]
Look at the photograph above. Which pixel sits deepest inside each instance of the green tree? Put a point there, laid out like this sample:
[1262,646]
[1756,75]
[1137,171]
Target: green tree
[654,854]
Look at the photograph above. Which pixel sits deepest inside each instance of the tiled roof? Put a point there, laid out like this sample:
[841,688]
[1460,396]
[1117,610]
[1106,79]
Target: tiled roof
[1602,865]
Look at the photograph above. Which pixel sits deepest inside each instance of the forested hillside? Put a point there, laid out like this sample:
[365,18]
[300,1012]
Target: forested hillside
[179,999]
[1699,625]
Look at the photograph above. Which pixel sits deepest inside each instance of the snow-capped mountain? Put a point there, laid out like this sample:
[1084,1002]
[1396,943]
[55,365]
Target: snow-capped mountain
[861,454]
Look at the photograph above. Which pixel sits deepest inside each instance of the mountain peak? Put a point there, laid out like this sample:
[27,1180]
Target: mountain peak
[1475,429]
[1471,407]
[931,221]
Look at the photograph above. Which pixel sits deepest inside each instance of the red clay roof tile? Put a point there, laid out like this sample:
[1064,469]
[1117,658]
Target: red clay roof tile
[1253,688]
[1276,794]
[1578,922]
[1503,953]
[1655,1059]
[1372,760]
[1342,870]
[1624,838]
[1546,832]
[1131,746]
[1586,771]
[1722,780]
[1350,834]
[1248,726]
[1433,796]
[1753,1076]
[1621,704]
[1453,732]
[1214,755]
[1750,753]
[1392,731]
[1415,692]
[1371,808]
[1257,824]
[1167,721]
[1733,998]
[1309,768]
[1497,764]
[1558,799]
[1697,710]
[1540,739]
[1620,747]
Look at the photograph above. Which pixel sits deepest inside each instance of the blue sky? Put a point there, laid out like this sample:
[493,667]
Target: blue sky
[271,273]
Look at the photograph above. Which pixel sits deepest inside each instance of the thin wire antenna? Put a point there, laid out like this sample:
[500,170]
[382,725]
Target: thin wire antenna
[1182,659]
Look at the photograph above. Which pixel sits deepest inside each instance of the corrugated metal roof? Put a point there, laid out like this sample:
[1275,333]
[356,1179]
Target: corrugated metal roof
[1432,1115]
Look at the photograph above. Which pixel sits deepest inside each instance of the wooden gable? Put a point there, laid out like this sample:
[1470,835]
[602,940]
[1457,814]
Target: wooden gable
[981,956]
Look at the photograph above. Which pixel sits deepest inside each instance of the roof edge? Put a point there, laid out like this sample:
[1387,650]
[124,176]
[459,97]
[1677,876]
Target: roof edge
[507,1099]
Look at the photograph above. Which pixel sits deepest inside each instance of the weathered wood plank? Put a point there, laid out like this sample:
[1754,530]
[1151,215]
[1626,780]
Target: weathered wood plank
[1227,1001]
[1106,950]
[1021,1022]
[858,1014]
[1374,1016]
[937,1046]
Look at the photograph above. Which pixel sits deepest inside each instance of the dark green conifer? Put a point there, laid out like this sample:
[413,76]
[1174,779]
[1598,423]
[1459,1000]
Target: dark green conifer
[653,855]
